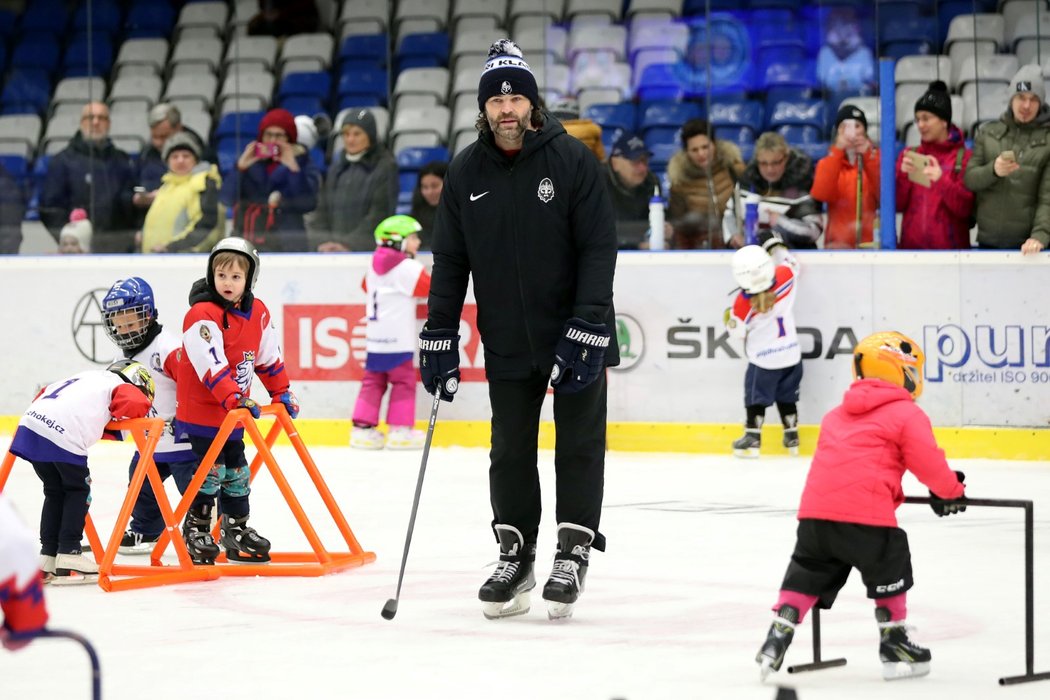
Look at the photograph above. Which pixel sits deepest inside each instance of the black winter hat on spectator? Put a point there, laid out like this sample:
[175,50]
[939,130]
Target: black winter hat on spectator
[182,142]
[506,73]
[936,101]
[850,112]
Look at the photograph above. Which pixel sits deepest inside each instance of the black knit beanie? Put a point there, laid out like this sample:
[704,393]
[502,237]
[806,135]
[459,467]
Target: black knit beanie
[936,101]
[506,73]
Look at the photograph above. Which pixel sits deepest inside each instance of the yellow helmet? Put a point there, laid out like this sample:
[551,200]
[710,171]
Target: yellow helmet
[892,357]
[136,374]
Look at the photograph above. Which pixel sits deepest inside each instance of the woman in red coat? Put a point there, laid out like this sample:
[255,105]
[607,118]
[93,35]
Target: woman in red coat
[847,515]
[937,214]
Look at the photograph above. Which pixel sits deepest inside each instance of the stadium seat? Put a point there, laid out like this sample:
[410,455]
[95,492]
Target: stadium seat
[372,48]
[597,95]
[620,115]
[922,69]
[191,89]
[1029,25]
[415,158]
[209,16]
[998,68]
[1032,50]
[553,80]
[980,28]
[611,39]
[659,82]
[145,89]
[549,11]
[800,113]
[377,11]
[239,124]
[746,114]
[420,120]
[261,50]
[575,9]
[307,50]
[802,74]
[370,84]
[203,51]
[494,11]
[22,129]
[317,85]
[548,40]
[79,91]
[37,52]
[149,20]
[59,130]
[27,90]
[143,52]
[429,82]
[428,49]
[673,36]
[84,57]
[104,18]
[662,154]
[910,36]
[434,13]
[245,92]
[610,75]
[44,16]
[667,116]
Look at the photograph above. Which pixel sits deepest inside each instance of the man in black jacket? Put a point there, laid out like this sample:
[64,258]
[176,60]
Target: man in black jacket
[631,187]
[525,212]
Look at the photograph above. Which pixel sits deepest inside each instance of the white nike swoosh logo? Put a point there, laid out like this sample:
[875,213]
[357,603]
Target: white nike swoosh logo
[476,197]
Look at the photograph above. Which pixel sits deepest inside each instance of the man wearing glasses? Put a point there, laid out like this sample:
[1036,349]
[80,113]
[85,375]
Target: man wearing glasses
[778,178]
[91,174]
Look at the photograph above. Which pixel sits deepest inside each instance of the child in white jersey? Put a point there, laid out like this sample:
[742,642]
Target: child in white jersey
[130,316]
[54,434]
[762,315]
[393,283]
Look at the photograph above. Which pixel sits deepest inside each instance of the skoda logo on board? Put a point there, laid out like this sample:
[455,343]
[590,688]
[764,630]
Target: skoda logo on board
[630,340]
[89,332]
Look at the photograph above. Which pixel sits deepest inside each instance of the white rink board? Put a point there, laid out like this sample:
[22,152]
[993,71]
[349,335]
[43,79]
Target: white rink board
[981,317]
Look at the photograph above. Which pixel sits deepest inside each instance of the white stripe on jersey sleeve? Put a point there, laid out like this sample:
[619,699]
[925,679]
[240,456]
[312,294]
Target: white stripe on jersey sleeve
[204,349]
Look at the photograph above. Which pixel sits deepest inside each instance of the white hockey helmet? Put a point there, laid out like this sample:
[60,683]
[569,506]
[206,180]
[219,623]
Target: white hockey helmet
[753,269]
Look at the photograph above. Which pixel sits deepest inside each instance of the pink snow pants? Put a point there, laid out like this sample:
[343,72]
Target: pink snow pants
[402,408]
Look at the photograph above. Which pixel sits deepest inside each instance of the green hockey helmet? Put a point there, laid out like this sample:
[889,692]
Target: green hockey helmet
[393,231]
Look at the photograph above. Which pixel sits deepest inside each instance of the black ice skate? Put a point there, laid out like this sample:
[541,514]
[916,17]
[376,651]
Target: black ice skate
[749,445]
[771,656]
[901,658]
[242,544]
[196,530]
[565,585]
[136,543]
[506,593]
[791,441]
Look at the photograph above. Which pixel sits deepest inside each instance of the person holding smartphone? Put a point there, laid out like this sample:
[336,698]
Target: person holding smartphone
[847,179]
[936,204]
[273,186]
[1008,170]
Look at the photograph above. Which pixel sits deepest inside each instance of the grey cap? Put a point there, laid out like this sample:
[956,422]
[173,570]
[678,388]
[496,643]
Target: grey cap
[1029,79]
[182,141]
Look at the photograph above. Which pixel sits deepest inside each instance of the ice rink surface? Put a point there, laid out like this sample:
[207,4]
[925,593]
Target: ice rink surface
[676,608]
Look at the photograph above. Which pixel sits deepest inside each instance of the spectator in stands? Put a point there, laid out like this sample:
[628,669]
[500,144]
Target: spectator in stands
[782,176]
[1008,171]
[568,113]
[165,121]
[93,174]
[186,216]
[845,64]
[426,195]
[274,186]
[848,174]
[284,17]
[702,177]
[359,191]
[936,204]
[75,238]
[631,185]
[12,211]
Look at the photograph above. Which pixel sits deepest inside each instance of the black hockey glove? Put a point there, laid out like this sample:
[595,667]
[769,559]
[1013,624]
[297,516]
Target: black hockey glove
[943,507]
[770,239]
[579,356]
[439,361]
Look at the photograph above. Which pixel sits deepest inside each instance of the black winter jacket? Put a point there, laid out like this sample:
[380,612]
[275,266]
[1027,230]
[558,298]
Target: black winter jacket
[538,235]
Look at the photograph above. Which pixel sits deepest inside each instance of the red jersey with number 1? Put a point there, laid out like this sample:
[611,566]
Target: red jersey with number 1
[221,351]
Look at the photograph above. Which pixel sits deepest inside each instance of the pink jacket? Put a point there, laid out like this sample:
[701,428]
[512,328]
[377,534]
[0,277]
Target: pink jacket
[866,444]
[937,217]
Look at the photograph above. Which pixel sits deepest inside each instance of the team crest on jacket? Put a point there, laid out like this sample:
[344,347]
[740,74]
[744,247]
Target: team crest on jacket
[205,334]
[546,190]
[245,370]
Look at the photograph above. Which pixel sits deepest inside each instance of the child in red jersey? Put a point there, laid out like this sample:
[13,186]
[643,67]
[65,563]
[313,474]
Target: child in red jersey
[228,336]
[21,595]
[847,515]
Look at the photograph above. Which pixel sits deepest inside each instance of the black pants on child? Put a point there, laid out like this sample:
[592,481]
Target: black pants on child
[67,493]
[579,454]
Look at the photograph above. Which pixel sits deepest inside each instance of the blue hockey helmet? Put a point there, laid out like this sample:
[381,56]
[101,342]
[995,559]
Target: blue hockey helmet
[128,312]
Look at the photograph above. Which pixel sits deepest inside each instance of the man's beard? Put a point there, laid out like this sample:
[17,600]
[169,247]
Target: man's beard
[512,133]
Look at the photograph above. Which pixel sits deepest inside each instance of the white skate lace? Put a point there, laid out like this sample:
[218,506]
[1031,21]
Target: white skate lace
[505,572]
[564,571]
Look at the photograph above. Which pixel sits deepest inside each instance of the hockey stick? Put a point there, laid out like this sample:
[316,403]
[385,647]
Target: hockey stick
[96,670]
[390,609]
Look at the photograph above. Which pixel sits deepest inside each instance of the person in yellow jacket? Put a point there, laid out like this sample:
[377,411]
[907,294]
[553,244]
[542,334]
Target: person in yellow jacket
[186,216]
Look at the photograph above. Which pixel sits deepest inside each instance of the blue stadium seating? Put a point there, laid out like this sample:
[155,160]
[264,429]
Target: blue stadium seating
[802,112]
[27,90]
[8,22]
[661,120]
[661,155]
[659,82]
[364,50]
[423,50]
[149,19]
[317,85]
[50,16]
[82,53]
[416,157]
[919,36]
[621,115]
[800,74]
[371,84]
[235,123]
[104,18]
[741,115]
[37,51]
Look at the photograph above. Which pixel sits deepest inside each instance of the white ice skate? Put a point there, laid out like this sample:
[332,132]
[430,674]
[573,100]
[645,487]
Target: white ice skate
[47,567]
[367,439]
[74,569]
[403,437]
[136,543]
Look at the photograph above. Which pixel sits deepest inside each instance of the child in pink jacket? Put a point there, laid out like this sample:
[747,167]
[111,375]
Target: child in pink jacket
[847,515]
